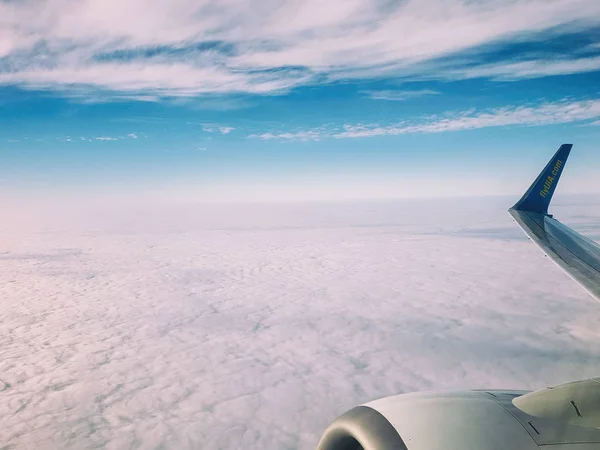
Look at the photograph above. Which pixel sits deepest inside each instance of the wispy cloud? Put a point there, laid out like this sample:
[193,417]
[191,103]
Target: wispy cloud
[188,48]
[307,135]
[226,130]
[85,139]
[109,138]
[211,128]
[522,69]
[542,114]
[398,95]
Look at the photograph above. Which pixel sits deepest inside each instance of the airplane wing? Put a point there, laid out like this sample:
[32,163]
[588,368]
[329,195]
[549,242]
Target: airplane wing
[577,255]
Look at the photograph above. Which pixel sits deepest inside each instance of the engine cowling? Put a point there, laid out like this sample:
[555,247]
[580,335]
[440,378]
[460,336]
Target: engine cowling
[567,417]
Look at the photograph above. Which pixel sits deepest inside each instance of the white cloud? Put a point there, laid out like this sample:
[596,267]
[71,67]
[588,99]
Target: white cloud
[543,114]
[211,128]
[254,326]
[174,79]
[398,95]
[226,130]
[133,135]
[308,135]
[524,69]
[105,138]
[188,48]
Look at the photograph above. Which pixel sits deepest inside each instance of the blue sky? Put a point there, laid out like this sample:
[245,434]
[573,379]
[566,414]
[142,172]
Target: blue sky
[290,99]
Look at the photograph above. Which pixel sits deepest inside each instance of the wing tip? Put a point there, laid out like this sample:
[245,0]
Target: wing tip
[566,148]
[537,198]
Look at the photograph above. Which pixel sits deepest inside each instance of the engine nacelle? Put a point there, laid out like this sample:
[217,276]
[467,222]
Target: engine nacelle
[567,417]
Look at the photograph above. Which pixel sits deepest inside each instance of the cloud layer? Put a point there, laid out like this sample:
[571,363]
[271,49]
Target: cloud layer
[187,48]
[255,326]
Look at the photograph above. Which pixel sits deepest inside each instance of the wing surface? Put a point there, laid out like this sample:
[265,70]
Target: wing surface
[577,255]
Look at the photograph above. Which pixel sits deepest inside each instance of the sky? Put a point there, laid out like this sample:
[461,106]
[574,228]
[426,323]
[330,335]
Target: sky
[255,326]
[236,100]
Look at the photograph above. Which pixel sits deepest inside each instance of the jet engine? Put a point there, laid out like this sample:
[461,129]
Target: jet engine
[564,417]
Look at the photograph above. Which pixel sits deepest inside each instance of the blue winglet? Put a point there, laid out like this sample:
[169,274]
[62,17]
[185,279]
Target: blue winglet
[538,196]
